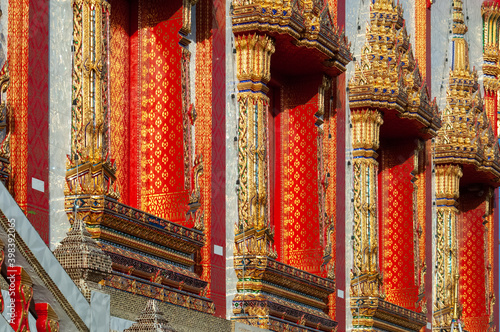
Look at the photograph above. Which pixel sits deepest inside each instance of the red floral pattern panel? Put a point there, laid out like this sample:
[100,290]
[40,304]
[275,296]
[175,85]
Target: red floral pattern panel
[119,93]
[146,102]
[301,229]
[396,192]
[472,261]
[160,103]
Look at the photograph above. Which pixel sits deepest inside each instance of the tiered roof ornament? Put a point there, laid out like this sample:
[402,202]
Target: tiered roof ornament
[387,77]
[151,319]
[467,136]
[83,259]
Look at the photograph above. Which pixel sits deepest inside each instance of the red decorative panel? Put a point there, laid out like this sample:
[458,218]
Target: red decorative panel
[17,55]
[397,261]
[472,262]
[332,115]
[218,146]
[277,133]
[339,175]
[119,70]
[332,4]
[204,49]
[300,188]
[495,255]
[421,36]
[160,105]
[38,119]
[27,53]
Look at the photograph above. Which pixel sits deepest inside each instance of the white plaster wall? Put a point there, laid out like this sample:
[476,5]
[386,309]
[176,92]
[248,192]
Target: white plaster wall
[4,25]
[441,24]
[231,162]
[192,70]
[474,37]
[409,16]
[60,34]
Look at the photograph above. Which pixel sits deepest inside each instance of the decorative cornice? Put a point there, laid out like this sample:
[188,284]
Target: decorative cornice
[150,289]
[102,210]
[308,22]
[375,313]
[272,288]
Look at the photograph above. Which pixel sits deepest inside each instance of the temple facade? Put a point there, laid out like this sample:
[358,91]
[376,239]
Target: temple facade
[247,165]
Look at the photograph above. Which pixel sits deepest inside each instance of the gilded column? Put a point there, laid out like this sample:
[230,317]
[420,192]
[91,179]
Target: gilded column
[253,233]
[491,14]
[90,169]
[446,255]
[365,140]
[253,54]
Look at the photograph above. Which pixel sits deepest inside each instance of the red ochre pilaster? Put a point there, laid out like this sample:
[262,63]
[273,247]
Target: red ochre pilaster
[495,263]
[121,135]
[203,103]
[340,261]
[38,117]
[28,98]
[218,146]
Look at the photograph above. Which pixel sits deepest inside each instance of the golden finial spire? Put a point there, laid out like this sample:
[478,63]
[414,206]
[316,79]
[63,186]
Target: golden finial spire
[458,18]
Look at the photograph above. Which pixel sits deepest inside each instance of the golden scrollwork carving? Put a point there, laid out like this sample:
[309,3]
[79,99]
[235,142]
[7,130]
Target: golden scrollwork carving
[253,54]
[90,169]
[447,193]
[365,278]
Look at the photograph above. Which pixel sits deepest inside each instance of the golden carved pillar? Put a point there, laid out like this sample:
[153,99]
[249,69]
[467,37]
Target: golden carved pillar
[253,233]
[253,53]
[491,16]
[365,140]
[447,179]
[90,169]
